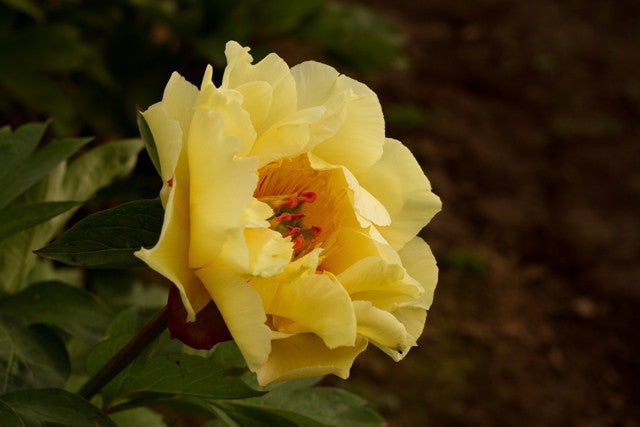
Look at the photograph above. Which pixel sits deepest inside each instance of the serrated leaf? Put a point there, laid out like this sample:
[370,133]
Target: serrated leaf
[109,238]
[17,218]
[30,357]
[149,142]
[35,167]
[73,310]
[41,407]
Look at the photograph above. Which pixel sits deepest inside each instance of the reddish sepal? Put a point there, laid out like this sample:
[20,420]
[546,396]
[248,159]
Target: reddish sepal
[208,329]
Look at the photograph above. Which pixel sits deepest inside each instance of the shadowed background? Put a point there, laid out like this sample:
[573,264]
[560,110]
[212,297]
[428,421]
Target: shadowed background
[524,117]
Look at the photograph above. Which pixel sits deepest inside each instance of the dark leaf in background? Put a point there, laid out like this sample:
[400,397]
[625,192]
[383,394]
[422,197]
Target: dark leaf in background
[109,238]
[30,357]
[149,142]
[17,218]
[45,406]
[73,310]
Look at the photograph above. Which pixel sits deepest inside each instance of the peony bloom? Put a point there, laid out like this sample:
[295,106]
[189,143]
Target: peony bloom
[286,205]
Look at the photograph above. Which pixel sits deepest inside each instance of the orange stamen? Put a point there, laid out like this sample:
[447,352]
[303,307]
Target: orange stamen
[308,197]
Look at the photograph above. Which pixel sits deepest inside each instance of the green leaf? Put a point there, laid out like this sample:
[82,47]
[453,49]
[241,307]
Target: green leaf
[187,375]
[27,7]
[138,417]
[149,142]
[9,417]
[36,167]
[30,357]
[18,145]
[109,238]
[310,407]
[82,178]
[73,310]
[41,407]
[22,217]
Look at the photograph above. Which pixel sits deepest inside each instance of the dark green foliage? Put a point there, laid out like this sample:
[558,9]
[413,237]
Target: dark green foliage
[89,64]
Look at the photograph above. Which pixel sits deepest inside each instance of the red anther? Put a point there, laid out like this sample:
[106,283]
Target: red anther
[286,216]
[291,202]
[292,231]
[298,243]
[297,216]
[170,182]
[308,197]
[316,230]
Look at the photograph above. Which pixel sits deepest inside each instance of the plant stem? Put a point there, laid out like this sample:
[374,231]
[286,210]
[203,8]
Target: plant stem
[125,356]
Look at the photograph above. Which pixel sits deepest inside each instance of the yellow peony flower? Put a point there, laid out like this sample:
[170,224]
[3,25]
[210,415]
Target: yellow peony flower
[286,205]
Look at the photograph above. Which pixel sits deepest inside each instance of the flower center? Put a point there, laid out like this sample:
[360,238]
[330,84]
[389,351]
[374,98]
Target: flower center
[288,220]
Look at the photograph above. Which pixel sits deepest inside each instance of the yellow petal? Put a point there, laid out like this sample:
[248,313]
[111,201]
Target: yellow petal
[381,328]
[357,145]
[215,205]
[413,319]
[315,83]
[237,122]
[268,287]
[373,276]
[305,355]
[256,100]
[317,303]
[169,256]
[178,100]
[272,70]
[399,183]
[167,136]
[287,138]
[242,312]
[269,252]
[367,208]
[420,264]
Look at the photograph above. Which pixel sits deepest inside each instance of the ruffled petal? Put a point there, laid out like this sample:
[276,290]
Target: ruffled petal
[316,303]
[306,355]
[272,70]
[385,285]
[420,264]
[169,256]
[179,99]
[288,137]
[214,204]
[242,312]
[228,103]
[399,183]
[381,328]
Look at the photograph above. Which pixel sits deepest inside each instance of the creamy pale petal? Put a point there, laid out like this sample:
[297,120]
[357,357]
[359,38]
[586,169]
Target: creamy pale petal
[380,327]
[315,83]
[317,303]
[169,256]
[399,183]
[305,355]
[357,145]
[242,312]
[215,205]
[269,252]
[237,122]
[273,70]
[352,245]
[257,97]
[420,264]
[167,136]
[255,214]
[374,274]
[286,138]
[178,100]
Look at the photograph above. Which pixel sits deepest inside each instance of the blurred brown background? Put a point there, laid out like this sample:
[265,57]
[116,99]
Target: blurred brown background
[527,124]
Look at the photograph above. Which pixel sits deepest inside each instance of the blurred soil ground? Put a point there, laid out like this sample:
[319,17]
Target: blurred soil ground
[525,117]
